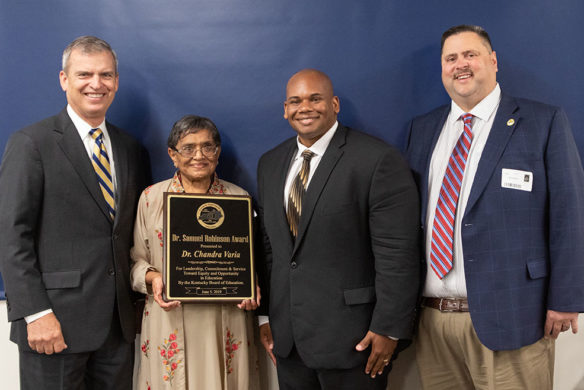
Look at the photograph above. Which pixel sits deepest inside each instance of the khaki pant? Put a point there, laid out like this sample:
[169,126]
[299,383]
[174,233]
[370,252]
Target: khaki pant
[450,356]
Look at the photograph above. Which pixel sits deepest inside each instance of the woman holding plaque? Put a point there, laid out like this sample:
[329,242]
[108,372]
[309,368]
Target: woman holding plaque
[188,346]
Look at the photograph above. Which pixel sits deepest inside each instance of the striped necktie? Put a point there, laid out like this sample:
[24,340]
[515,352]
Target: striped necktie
[442,246]
[296,194]
[101,164]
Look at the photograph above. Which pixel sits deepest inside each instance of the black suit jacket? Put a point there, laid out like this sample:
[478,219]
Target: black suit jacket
[59,248]
[354,266]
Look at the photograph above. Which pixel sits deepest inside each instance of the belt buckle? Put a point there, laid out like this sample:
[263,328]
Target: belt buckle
[445,310]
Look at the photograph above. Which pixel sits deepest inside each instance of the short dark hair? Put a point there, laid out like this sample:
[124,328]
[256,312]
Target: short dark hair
[87,44]
[466,28]
[190,124]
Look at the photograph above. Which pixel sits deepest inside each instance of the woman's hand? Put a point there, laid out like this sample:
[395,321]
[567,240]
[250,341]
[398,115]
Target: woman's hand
[155,280]
[251,304]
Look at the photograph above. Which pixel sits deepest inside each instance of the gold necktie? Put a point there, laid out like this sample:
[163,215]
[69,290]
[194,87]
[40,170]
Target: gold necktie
[101,164]
[296,194]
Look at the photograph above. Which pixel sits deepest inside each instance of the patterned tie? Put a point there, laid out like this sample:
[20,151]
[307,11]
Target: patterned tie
[441,254]
[296,194]
[101,164]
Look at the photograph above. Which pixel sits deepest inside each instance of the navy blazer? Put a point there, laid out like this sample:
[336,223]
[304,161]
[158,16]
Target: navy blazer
[523,251]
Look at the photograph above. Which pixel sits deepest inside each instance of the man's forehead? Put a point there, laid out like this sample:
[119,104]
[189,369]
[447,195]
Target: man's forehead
[464,41]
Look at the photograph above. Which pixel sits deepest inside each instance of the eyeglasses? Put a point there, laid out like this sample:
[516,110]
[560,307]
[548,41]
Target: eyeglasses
[189,151]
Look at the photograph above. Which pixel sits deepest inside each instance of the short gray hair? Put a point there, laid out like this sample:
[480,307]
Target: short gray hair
[189,124]
[88,44]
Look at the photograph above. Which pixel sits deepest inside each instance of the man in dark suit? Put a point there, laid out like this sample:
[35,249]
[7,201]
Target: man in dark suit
[503,215]
[339,211]
[66,233]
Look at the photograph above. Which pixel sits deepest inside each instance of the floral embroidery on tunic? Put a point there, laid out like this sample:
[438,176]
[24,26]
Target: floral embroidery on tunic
[231,345]
[146,192]
[145,347]
[159,234]
[168,350]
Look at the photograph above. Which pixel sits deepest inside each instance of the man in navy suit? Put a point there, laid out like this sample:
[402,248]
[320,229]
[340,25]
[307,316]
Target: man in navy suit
[503,219]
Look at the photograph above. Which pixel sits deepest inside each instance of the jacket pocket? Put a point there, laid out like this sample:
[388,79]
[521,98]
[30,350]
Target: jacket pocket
[537,268]
[357,296]
[61,279]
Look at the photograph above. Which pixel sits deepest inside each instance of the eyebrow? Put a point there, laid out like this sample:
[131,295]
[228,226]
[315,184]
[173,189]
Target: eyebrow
[318,94]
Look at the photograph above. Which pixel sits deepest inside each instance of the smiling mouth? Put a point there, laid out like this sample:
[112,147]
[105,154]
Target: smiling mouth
[306,121]
[95,95]
[463,76]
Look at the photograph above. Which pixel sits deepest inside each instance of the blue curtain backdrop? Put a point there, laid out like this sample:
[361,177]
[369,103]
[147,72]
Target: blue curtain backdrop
[230,60]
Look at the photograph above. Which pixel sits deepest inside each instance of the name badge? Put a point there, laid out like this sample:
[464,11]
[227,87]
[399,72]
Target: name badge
[517,180]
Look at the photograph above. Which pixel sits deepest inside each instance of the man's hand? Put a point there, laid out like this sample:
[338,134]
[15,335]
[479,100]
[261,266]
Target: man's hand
[558,321]
[45,336]
[382,348]
[267,340]
[251,304]
[155,279]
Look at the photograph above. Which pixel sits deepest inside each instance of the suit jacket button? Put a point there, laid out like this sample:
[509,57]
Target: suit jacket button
[293,265]
[111,272]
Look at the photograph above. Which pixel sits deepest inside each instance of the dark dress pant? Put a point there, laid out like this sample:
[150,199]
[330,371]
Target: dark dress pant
[293,374]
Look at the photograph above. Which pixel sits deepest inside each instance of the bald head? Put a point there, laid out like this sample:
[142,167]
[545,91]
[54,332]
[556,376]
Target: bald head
[314,75]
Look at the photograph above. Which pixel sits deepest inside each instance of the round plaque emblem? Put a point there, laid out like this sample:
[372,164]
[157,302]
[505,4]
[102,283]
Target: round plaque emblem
[210,215]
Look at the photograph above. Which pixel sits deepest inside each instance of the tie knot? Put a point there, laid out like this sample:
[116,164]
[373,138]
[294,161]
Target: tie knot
[95,133]
[307,154]
[467,118]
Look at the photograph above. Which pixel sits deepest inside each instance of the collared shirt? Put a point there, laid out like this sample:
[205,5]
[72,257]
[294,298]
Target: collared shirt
[454,284]
[318,148]
[83,129]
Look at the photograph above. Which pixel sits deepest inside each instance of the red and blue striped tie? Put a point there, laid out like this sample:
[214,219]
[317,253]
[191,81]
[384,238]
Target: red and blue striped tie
[441,254]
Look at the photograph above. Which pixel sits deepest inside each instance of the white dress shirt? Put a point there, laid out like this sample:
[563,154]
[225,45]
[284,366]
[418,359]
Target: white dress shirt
[318,148]
[453,285]
[83,128]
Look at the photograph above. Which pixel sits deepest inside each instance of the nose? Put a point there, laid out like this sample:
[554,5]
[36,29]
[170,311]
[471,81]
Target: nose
[461,63]
[198,154]
[95,82]
[305,106]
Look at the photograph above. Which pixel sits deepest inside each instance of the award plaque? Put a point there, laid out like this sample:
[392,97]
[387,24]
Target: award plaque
[208,251]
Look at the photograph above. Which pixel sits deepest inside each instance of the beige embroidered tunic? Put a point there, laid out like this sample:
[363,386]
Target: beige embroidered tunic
[194,346]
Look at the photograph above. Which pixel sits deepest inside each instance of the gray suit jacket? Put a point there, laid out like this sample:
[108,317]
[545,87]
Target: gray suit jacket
[59,248]
[354,266]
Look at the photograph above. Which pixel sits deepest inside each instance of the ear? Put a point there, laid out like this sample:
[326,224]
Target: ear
[117,83]
[173,156]
[63,80]
[494,59]
[218,153]
[336,104]
[285,112]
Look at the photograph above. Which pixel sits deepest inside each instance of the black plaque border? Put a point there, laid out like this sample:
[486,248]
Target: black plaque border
[166,236]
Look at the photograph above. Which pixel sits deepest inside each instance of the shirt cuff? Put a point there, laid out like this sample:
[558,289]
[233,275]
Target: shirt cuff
[263,320]
[36,316]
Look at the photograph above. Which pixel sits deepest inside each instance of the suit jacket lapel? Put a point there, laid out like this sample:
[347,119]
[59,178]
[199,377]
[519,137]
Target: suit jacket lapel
[121,167]
[321,175]
[498,138]
[439,124]
[280,168]
[76,153]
